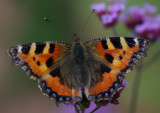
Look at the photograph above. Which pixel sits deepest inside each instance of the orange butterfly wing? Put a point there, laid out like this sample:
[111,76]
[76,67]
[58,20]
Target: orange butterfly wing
[119,55]
[40,61]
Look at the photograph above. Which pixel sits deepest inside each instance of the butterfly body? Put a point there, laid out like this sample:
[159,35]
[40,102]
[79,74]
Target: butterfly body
[64,71]
[81,68]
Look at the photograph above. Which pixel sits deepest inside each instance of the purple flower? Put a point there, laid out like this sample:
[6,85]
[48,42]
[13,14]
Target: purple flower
[149,9]
[109,19]
[125,84]
[116,8]
[110,15]
[100,8]
[134,16]
[107,109]
[150,28]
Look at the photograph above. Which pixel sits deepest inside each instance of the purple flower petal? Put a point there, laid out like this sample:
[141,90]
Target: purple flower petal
[99,7]
[134,16]
[137,13]
[125,83]
[149,8]
[116,8]
[109,18]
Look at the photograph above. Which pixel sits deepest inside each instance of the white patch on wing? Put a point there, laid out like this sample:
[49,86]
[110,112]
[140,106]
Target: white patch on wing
[136,41]
[19,49]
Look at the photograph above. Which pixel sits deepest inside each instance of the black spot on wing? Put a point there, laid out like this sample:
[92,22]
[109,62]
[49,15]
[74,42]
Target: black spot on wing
[104,44]
[55,72]
[124,52]
[25,49]
[51,49]
[109,57]
[105,68]
[130,41]
[120,57]
[39,48]
[34,58]
[49,62]
[38,63]
[116,42]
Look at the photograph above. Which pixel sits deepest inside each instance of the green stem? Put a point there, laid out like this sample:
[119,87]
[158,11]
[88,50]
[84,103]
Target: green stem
[136,86]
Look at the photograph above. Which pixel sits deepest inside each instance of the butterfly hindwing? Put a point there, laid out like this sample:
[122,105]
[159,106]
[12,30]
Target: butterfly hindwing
[105,89]
[117,55]
[53,86]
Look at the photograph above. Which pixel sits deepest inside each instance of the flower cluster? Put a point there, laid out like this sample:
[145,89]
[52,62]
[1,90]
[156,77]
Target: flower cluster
[109,15]
[150,28]
[143,21]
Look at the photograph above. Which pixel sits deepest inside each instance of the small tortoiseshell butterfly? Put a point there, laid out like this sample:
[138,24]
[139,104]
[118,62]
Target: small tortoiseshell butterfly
[63,70]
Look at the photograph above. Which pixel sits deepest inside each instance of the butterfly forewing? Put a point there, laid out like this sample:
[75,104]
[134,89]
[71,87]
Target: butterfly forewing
[37,59]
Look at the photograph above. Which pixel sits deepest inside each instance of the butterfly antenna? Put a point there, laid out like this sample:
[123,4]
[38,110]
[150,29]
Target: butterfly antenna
[86,22]
[55,26]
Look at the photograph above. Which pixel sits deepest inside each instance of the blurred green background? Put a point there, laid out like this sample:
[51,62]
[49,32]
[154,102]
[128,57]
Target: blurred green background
[21,22]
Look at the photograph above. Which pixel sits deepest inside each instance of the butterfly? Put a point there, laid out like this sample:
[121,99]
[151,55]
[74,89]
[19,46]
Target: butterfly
[95,68]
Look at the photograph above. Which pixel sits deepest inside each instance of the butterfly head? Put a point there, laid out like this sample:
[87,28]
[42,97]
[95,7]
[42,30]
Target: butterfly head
[76,39]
